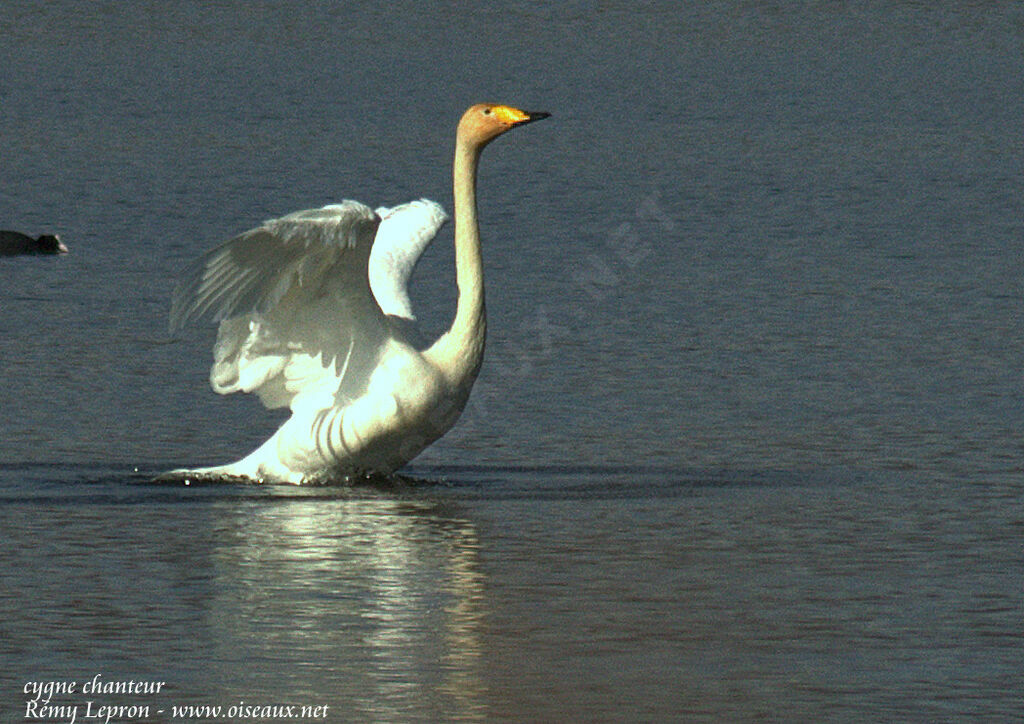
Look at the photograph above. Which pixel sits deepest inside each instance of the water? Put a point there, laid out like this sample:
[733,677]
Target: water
[746,443]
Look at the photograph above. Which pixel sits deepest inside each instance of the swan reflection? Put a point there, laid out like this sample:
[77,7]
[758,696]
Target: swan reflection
[376,604]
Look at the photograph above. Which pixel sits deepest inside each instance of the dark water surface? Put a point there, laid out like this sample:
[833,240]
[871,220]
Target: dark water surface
[746,443]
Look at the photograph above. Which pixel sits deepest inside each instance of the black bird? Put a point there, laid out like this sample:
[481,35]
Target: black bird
[14,242]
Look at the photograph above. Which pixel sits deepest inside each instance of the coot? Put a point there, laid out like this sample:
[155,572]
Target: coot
[14,242]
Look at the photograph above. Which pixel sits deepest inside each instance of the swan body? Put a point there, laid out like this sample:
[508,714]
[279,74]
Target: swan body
[314,315]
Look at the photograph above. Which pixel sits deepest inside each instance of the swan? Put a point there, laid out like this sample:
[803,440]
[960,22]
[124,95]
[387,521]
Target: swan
[14,242]
[314,315]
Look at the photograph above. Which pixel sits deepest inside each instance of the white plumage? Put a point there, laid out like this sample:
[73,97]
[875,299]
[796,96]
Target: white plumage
[314,315]
[404,234]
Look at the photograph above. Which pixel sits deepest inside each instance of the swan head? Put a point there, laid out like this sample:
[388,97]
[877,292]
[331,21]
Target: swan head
[484,122]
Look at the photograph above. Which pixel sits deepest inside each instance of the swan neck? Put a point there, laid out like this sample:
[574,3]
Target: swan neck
[459,351]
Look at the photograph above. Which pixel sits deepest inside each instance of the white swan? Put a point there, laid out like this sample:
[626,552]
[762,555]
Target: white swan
[314,315]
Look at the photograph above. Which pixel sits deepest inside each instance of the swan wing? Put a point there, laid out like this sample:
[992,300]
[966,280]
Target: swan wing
[298,323]
[255,270]
[404,234]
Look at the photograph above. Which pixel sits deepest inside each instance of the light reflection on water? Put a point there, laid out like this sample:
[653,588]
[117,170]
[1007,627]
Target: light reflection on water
[524,593]
[384,597]
[368,603]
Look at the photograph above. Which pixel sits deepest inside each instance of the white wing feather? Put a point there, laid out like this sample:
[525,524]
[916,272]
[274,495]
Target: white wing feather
[298,322]
[404,234]
[253,271]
